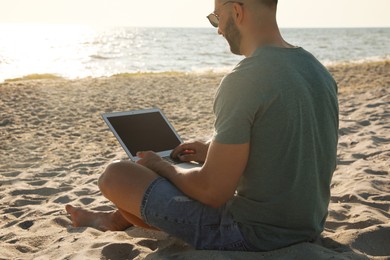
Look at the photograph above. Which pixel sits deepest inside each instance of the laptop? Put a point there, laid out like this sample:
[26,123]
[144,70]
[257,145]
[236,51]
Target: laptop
[145,130]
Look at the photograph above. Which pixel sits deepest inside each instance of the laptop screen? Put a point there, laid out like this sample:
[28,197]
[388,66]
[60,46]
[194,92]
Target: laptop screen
[144,132]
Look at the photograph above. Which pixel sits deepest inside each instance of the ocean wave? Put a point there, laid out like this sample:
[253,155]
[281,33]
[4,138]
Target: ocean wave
[197,71]
[99,57]
[218,70]
[4,61]
[357,61]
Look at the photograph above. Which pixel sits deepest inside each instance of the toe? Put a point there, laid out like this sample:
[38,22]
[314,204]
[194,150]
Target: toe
[70,209]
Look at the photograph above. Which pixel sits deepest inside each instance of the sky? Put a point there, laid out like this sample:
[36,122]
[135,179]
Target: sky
[190,13]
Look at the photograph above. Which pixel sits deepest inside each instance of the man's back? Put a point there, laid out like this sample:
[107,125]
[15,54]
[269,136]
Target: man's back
[284,102]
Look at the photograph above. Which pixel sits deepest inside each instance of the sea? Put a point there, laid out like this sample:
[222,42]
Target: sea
[76,51]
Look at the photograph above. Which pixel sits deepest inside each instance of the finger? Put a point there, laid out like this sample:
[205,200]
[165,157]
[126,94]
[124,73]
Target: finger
[140,162]
[140,154]
[187,157]
[179,149]
[185,152]
[146,155]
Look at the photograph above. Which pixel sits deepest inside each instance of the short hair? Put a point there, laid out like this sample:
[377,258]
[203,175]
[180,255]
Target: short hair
[269,2]
[266,2]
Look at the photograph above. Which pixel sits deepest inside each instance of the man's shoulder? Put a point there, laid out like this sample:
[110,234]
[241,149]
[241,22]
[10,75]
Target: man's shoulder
[267,61]
[263,66]
[271,64]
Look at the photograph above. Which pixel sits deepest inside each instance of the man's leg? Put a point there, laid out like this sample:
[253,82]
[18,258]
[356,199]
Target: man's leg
[103,221]
[124,184]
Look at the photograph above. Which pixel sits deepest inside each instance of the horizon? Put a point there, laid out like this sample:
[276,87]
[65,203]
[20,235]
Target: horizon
[176,27]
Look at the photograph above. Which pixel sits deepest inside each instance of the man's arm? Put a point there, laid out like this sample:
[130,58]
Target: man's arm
[214,183]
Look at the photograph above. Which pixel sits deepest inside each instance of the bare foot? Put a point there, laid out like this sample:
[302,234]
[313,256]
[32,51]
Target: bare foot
[103,221]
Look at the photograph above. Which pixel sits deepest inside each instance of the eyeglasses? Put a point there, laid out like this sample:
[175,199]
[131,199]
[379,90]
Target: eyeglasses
[214,18]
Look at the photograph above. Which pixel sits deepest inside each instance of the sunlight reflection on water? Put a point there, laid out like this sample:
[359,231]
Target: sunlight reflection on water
[79,51]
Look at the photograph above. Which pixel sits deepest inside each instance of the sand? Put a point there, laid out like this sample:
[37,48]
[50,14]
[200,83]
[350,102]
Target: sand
[54,145]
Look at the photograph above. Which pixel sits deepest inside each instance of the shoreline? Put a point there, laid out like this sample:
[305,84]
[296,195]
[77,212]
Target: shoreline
[54,145]
[329,65]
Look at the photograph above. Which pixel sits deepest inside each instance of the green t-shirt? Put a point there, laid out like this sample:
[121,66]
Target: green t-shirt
[282,102]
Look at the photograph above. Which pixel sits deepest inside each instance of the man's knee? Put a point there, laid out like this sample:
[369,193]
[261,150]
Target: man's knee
[111,175]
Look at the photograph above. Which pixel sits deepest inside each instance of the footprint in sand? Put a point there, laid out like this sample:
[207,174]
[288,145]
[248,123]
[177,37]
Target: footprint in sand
[364,123]
[11,174]
[369,171]
[41,191]
[374,242]
[37,183]
[151,244]
[120,251]
[63,200]
[29,201]
[87,201]
[26,224]
[14,211]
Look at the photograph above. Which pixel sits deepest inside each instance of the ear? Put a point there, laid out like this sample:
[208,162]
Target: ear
[238,13]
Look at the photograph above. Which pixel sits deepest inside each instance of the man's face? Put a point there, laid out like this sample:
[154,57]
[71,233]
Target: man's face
[232,36]
[227,26]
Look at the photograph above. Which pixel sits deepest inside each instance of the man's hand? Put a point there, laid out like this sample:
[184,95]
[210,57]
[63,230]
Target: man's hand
[192,151]
[155,163]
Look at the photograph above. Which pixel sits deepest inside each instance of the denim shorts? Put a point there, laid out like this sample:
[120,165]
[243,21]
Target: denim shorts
[203,227]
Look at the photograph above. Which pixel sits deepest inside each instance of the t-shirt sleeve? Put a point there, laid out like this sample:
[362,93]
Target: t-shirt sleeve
[234,110]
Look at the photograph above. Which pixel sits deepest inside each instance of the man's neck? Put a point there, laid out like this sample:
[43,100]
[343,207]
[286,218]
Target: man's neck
[263,37]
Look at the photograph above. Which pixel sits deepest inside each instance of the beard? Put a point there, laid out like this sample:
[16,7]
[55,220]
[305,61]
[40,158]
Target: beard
[233,36]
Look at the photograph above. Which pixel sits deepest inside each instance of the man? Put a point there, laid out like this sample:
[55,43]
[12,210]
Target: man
[265,181]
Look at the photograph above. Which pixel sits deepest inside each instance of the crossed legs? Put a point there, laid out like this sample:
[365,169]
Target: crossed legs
[124,184]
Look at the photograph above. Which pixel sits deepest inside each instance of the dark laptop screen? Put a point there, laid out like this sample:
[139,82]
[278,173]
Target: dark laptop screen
[144,132]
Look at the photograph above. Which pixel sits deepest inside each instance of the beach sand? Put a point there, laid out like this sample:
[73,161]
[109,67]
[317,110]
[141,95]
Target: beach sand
[54,145]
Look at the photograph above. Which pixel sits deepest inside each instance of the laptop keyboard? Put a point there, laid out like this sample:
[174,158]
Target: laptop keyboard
[171,160]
